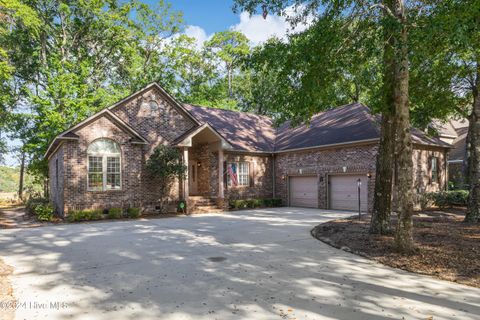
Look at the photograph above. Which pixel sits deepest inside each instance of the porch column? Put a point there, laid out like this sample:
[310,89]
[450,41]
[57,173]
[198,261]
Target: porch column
[185,180]
[221,194]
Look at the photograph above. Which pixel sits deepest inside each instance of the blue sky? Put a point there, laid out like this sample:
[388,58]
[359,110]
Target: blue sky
[211,15]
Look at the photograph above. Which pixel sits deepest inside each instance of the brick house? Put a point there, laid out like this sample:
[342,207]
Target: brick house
[100,162]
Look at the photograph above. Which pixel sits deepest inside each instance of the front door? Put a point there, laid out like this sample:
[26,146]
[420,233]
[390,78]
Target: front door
[192,177]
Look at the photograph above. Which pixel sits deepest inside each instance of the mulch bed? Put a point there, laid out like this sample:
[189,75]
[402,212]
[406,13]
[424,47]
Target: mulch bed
[446,247]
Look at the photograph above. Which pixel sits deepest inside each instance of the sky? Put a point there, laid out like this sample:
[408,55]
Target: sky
[202,18]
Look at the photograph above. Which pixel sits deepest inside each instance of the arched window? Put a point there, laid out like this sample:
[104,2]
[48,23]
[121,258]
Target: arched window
[104,172]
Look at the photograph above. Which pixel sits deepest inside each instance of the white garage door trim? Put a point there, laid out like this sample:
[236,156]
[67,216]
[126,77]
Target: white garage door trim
[343,192]
[303,191]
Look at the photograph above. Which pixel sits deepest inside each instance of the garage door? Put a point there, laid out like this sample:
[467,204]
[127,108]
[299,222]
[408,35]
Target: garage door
[303,192]
[344,192]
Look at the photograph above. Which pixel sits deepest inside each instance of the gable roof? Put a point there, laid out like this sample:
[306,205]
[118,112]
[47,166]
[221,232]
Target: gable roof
[459,151]
[346,124]
[70,135]
[352,123]
[163,92]
[244,131]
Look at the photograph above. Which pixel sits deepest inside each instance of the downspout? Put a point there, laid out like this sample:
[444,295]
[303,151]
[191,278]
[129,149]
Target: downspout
[445,160]
[274,174]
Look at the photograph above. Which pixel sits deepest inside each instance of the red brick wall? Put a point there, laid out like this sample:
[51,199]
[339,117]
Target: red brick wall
[321,163]
[137,187]
[262,176]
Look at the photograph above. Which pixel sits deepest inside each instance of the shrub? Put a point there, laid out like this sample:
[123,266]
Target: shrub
[451,198]
[268,202]
[164,166]
[250,203]
[44,212]
[85,215]
[257,203]
[276,202]
[32,203]
[133,213]
[115,213]
[238,204]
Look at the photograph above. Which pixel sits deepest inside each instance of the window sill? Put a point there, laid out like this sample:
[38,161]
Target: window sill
[104,191]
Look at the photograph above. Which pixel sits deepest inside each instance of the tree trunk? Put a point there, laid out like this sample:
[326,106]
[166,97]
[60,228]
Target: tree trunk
[403,141]
[22,173]
[382,199]
[473,149]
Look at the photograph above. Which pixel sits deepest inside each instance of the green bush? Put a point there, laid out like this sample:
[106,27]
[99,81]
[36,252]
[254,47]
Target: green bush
[268,202]
[115,213]
[32,203]
[44,212]
[133,213]
[451,198]
[276,202]
[238,204]
[255,203]
[85,215]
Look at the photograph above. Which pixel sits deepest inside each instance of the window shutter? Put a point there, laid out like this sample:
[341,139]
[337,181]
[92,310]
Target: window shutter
[225,184]
[251,172]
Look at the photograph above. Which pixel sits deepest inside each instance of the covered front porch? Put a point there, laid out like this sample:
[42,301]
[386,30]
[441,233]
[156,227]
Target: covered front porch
[203,155]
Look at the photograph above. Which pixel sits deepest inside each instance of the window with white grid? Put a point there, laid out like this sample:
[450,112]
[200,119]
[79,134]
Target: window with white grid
[242,172]
[104,165]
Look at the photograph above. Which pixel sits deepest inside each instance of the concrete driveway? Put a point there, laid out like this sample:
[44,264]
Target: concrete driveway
[260,264]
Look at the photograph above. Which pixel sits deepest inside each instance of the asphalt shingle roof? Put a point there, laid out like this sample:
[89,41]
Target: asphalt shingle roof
[250,132]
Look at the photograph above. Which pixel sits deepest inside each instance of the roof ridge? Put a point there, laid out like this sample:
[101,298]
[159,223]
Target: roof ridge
[228,110]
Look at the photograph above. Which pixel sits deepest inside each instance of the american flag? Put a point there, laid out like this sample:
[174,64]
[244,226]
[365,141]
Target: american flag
[232,171]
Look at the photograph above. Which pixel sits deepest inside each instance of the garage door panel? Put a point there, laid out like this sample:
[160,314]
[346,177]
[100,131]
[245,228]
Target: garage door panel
[344,193]
[304,192]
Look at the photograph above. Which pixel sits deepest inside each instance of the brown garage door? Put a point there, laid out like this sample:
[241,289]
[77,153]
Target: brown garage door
[344,193]
[303,192]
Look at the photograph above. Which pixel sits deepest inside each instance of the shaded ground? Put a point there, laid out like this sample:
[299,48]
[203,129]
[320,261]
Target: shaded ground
[14,216]
[447,248]
[251,264]
[7,311]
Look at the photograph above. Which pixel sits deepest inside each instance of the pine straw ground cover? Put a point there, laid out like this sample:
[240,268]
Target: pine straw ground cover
[447,248]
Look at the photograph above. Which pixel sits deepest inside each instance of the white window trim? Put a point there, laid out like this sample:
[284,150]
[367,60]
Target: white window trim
[104,170]
[229,180]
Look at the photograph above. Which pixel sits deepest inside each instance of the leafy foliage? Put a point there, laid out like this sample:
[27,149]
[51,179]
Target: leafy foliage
[9,178]
[164,166]
[445,199]
[44,212]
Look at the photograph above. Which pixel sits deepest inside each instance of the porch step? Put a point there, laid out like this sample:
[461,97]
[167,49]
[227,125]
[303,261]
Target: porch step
[206,209]
[202,201]
[202,204]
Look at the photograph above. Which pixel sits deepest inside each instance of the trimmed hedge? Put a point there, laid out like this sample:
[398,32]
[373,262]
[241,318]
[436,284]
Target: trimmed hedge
[451,198]
[99,214]
[115,213]
[255,203]
[85,215]
[133,213]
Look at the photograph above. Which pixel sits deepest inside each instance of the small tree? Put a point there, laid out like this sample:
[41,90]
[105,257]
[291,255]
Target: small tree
[164,165]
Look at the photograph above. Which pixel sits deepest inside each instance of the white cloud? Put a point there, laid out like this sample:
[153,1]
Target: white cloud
[198,33]
[258,29]
[255,27]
